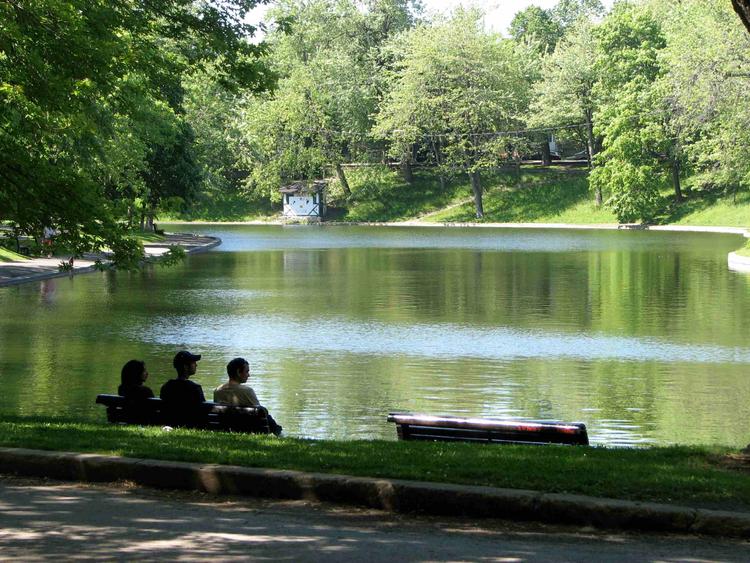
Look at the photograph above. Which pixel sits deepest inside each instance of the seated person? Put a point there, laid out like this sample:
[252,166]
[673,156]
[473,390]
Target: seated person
[235,393]
[133,376]
[182,395]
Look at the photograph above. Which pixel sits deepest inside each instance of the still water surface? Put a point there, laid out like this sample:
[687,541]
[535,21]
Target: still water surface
[641,335]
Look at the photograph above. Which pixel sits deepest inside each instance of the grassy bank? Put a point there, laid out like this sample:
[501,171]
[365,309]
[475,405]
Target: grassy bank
[745,250]
[7,255]
[555,194]
[683,475]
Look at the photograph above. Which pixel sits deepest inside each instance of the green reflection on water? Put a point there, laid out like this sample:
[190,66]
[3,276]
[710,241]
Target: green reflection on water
[640,335]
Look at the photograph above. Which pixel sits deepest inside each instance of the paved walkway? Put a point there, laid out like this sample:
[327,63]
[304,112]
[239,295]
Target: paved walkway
[394,495]
[35,269]
[48,520]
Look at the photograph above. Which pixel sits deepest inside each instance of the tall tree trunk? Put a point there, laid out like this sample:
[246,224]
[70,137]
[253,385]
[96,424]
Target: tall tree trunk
[406,171]
[742,7]
[149,227]
[476,187]
[676,179]
[342,179]
[591,148]
[546,156]
[438,162]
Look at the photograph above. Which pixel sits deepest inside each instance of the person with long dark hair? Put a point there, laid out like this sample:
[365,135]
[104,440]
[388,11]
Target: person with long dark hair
[133,376]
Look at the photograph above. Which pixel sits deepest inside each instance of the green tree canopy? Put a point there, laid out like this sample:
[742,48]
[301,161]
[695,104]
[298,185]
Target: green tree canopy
[89,94]
[457,86]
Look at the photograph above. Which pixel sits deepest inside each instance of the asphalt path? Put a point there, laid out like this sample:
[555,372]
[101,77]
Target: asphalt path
[46,520]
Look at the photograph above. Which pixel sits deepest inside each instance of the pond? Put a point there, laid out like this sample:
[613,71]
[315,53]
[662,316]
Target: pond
[641,335]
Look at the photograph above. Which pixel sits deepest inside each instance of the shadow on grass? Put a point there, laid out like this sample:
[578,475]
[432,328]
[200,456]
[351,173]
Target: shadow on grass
[380,194]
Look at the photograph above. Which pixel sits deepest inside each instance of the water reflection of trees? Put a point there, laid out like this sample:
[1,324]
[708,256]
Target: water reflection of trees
[58,350]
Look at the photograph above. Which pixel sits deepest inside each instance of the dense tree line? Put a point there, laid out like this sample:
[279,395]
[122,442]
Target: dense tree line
[110,111]
[92,116]
[647,90]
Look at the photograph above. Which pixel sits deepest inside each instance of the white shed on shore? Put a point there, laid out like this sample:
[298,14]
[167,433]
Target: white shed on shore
[304,201]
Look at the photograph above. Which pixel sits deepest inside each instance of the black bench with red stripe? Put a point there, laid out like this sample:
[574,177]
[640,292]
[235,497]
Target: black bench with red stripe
[411,426]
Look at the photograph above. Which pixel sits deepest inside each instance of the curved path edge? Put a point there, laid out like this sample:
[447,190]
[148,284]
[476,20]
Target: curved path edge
[384,494]
[38,269]
[417,223]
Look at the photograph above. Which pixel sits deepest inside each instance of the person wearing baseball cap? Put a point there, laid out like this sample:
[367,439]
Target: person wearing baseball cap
[181,394]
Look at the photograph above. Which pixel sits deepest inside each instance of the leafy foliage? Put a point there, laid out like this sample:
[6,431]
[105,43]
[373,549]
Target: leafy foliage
[453,84]
[90,104]
[629,119]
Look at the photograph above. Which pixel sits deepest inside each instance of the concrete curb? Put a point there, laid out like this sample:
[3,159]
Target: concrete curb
[54,272]
[738,263]
[384,494]
[46,276]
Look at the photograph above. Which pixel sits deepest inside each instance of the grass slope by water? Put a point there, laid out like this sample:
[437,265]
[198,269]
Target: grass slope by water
[681,475]
[7,255]
[535,195]
[556,194]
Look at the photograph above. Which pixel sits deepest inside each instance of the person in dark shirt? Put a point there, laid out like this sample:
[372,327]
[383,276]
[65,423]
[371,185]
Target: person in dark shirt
[183,396]
[133,376]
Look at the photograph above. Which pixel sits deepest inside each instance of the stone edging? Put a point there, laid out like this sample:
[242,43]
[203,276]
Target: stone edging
[384,494]
[86,265]
[738,263]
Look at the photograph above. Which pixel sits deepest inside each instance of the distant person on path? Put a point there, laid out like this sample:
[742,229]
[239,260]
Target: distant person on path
[234,392]
[48,233]
[181,396]
[133,376]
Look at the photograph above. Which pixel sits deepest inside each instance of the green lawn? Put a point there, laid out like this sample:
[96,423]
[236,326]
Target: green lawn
[556,194]
[684,475]
[534,196]
[7,255]
[728,210]
[381,194]
[144,236]
[745,250]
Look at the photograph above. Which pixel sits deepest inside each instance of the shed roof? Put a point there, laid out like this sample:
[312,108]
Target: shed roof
[303,187]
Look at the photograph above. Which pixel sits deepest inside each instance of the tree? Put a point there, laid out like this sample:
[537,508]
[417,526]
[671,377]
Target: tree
[565,95]
[80,83]
[706,57]
[538,26]
[637,134]
[545,28]
[456,86]
[329,68]
[568,13]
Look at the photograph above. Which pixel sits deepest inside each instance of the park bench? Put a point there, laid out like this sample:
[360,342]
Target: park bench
[411,426]
[208,415]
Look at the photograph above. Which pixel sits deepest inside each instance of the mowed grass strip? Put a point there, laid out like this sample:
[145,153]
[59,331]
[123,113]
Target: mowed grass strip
[690,476]
[7,255]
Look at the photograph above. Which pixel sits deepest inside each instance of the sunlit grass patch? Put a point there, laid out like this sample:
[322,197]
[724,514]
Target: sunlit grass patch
[144,236]
[745,250]
[533,196]
[686,475]
[7,255]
